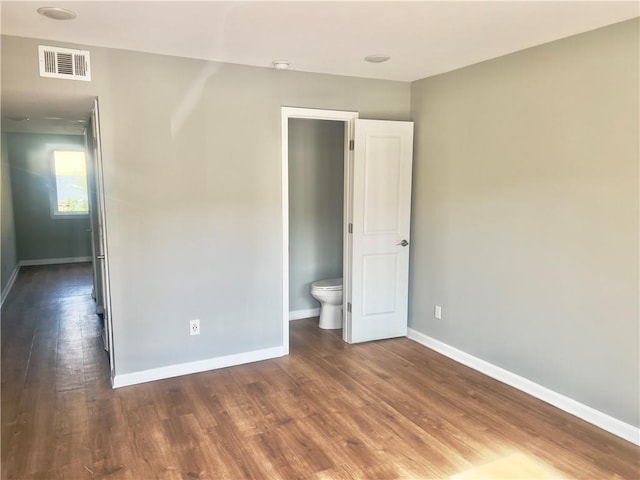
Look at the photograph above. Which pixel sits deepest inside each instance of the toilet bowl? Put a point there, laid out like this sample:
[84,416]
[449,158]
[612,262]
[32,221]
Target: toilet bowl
[329,294]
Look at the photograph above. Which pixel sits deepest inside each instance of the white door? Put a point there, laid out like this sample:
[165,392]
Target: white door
[381,213]
[101,256]
[93,230]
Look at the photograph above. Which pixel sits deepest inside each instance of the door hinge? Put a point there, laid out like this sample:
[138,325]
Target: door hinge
[352,145]
[351,228]
[349,307]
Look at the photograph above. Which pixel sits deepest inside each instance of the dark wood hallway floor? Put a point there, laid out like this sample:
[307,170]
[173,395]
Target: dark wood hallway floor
[390,409]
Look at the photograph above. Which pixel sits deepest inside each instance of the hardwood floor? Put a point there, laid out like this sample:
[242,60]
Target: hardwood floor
[381,410]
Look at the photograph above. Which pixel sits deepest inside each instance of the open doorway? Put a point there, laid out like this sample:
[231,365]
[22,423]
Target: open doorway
[320,224]
[376,224]
[55,186]
[316,209]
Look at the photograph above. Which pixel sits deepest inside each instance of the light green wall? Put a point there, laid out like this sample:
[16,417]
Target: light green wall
[38,235]
[8,252]
[316,191]
[525,215]
[192,169]
[525,206]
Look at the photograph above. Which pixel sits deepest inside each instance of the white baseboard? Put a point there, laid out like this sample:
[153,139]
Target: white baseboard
[10,283]
[53,261]
[169,371]
[580,410]
[300,314]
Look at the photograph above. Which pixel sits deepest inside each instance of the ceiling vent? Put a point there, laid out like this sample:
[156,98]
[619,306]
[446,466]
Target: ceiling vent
[57,62]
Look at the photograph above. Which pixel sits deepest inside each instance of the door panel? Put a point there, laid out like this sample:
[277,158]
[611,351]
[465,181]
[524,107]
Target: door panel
[93,217]
[379,277]
[100,235]
[381,221]
[381,185]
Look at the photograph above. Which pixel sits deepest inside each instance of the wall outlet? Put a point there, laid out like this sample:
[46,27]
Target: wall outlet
[437,312]
[194,327]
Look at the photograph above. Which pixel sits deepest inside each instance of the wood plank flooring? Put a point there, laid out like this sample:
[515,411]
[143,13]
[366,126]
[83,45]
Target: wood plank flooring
[381,410]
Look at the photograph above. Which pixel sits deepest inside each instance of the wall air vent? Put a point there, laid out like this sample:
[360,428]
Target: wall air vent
[57,62]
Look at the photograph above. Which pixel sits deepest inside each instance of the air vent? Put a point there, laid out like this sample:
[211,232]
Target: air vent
[57,62]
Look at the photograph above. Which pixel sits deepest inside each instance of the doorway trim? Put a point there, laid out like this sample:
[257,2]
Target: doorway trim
[349,119]
[102,253]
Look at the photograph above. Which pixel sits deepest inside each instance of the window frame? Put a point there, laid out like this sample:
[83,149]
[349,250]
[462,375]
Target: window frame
[53,184]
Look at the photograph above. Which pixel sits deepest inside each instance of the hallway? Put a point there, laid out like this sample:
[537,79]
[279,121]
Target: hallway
[53,366]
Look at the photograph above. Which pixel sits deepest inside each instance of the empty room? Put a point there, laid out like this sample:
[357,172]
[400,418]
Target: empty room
[322,240]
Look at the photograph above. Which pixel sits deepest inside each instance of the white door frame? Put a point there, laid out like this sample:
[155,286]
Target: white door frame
[316,114]
[103,253]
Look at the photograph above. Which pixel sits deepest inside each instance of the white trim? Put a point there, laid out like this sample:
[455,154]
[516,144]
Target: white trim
[170,371]
[300,314]
[53,261]
[580,410]
[284,126]
[10,283]
[103,236]
[316,114]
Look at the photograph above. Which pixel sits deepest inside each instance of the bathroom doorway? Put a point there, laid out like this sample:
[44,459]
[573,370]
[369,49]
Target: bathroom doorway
[316,174]
[378,156]
[316,204]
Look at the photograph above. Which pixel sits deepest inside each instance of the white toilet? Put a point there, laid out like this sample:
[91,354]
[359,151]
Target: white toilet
[329,294]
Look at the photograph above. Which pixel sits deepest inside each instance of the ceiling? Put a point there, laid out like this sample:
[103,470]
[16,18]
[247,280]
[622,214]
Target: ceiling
[423,38]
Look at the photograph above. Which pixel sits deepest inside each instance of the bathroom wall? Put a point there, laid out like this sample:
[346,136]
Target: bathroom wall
[8,254]
[316,190]
[38,235]
[525,215]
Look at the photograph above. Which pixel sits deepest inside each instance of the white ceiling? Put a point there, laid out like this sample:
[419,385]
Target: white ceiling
[423,38]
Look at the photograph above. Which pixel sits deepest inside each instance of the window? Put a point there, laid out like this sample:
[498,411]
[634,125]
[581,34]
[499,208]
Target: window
[69,195]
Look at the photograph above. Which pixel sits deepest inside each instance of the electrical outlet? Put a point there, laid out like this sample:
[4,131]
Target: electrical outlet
[194,327]
[437,312]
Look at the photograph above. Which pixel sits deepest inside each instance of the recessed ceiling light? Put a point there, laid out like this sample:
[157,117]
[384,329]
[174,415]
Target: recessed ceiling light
[19,119]
[378,58]
[57,13]
[281,64]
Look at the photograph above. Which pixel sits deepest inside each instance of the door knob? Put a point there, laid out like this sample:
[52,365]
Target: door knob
[403,243]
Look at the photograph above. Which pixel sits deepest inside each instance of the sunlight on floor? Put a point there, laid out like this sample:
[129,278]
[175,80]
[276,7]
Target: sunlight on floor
[517,466]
